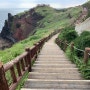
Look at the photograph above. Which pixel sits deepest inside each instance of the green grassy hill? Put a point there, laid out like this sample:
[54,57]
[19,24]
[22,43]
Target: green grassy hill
[52,20]
[87,5]
[57,18]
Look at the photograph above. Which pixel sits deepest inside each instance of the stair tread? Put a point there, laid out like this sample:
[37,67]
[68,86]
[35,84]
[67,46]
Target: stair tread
[51,89]
[54,65]
[46,62]
[77,74]
[54,76]
[52,70]
[56,84]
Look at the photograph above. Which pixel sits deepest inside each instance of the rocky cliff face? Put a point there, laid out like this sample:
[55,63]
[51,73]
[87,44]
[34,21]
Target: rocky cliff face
[84,26]
[4,43]
[22,25]
[19,27]
[83,22]
[82,15]
[27,21]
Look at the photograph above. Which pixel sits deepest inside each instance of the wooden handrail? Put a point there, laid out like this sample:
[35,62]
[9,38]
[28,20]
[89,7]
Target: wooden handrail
[10,64]
[86,51]
[23,63]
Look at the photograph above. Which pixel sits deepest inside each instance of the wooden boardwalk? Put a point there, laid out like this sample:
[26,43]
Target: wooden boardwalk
[53,71]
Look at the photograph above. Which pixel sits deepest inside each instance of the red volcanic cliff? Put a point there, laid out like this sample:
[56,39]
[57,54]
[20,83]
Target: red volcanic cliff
[27,21]
[19,27]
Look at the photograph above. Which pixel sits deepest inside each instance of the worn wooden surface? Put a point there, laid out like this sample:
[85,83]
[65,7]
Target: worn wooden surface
[53,71]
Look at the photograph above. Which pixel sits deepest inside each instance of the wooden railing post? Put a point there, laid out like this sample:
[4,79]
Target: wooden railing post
[86,56]
[13,74]
[65,45]
[72,46]
[39,46]
[3,81]
[18,69]
[22,65]
[29,58]
[36,49]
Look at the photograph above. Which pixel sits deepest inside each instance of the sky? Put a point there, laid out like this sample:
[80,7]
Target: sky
[33,3]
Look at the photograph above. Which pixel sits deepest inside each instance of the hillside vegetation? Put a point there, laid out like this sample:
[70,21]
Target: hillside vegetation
[81,41]
[40,22]
[52,20]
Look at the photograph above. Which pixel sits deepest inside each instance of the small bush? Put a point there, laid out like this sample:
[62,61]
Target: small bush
[82,41]
[71,35]
[76,56]
[85,33]
[68,34]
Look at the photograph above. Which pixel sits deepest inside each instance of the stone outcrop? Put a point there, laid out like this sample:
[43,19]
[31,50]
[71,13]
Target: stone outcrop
[19,27]
[83,26]
[4,43]
[82,16]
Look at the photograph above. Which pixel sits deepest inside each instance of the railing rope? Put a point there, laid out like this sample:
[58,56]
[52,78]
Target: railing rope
[72,47]
[78,49]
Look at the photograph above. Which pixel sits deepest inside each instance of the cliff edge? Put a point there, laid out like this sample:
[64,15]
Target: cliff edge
[19,27]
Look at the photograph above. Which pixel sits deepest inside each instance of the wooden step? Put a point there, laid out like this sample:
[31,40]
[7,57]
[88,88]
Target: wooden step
[57,84]
[54,76]
[44,51]
[51,89]
[55,70]
[50,53]
[54,65]
[52,56]
[52,59]
[51,62]
[75,74]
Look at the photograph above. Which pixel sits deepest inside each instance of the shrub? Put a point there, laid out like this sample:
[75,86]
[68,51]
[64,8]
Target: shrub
[68,34]
[85,33]
[82,41]
[76,56]
[71,35]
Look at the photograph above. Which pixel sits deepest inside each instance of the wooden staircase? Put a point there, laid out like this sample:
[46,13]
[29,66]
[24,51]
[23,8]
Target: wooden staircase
[53,71]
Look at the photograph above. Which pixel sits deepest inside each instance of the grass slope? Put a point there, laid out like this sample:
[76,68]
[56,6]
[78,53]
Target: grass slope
[53,20]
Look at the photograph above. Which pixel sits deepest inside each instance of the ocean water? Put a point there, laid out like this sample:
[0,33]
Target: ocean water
[4,14]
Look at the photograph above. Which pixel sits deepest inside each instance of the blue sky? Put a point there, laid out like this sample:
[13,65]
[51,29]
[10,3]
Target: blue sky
[33,3]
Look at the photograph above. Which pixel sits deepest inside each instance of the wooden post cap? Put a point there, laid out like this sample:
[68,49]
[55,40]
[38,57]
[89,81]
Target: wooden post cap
[87,49]
[1,64]
[35,44]
[27,49]
[72,43]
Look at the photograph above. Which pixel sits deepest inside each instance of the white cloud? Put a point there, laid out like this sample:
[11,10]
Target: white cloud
[32,3]
[26,5]
[4,4]
[71,5]
[55,5]
[27,1]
